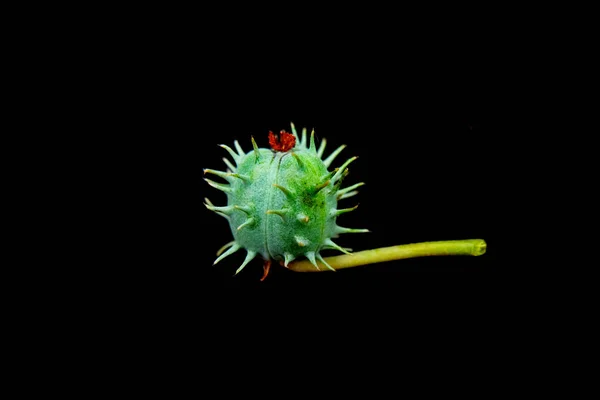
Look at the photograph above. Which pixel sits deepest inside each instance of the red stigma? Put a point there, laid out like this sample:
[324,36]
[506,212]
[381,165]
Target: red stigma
[285,142]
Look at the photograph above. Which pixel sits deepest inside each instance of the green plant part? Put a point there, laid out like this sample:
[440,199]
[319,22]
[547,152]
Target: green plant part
[470,247]
[282,204]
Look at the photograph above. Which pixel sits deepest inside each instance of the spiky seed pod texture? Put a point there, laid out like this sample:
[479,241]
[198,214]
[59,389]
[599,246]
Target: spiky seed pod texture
[282,202]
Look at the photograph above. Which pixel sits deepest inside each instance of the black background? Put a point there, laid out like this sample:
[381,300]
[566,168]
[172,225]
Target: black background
[428,109]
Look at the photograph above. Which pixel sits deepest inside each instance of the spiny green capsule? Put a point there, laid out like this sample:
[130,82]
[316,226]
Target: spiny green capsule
[282,202]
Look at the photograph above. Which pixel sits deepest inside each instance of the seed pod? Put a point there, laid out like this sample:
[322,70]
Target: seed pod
[282,202]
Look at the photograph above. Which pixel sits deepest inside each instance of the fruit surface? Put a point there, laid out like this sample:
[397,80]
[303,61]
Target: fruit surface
[282,202]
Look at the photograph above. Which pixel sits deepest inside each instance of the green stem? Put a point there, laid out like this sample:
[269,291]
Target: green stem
[470,247]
